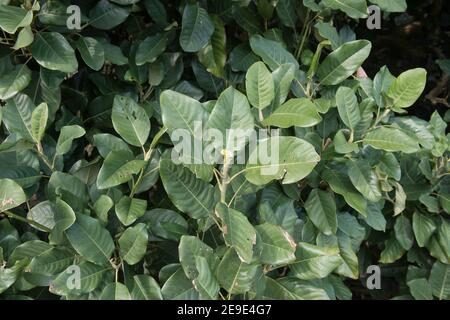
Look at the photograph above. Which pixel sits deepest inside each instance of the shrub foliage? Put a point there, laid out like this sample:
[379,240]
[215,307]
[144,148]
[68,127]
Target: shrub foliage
[93,206]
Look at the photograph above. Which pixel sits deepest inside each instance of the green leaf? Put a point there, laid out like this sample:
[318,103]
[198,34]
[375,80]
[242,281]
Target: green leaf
[66,137]
[118,167]
[128,210]
[274,245]
[189,250]
[166,224]
[392,140]
[8,276]
[389,165]
[234,275]
[102,207]
[282,78]
[90,276]
[179,111]
[130,121]
[443,237]
[381,84]
[444,64]
[246,19]
[341,290]
[206,282]
[271,52]
[133,244]
[350,264]
[342,185]
[64,217]
[293,160]
[314,262]
[145,288]
[392,252]
[106,15]
[375,217]
[51,262]
[423,227]
[113,53]
[355,9]
[281,213]
[341,145]
[156,11]
[295,112]
[189,194]
[343,62]
[92,52]
[56,14]
[348,107]
[15,81]
[57,216]
[237,231]
[196,29]
[407,88]
[214,55]
[321,209]
[329,32]
[106,143]
[151,48]
[69,188]
[52,51]
[420,289]
[287,12]
[391,6]
[231,116]
[290,288]
[39,118]
[24,175]
[24,39]
[403,232]
[179,287]
[241,58]
[438,250]
[88,237]
[17,116]
[11,195]
[12,18]
[28,250]
[440,280]
[259,85]
[115,291]
[364,179]
[44,214]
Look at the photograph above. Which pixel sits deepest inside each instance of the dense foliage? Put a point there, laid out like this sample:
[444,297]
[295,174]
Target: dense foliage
[88,186]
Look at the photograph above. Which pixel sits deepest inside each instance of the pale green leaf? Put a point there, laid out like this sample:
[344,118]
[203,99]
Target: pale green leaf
[343,62]
[91,240]
[289,159]
[260,86]
[133,243]
[237,231]
[295,112]
[321,209]
[52,51]
[130,120]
